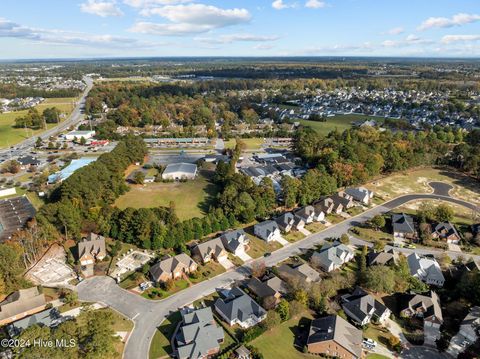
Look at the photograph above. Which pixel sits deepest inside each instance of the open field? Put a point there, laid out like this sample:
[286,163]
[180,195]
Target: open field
[251,143]
[339,122]
[416,181]
[192,198]
[9,136]
[280,341]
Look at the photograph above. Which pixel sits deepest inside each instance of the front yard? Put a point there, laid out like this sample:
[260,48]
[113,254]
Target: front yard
[259,247]
[160,346]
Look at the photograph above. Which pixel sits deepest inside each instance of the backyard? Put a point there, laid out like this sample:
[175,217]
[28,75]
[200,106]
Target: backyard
[160,346]
[191,198]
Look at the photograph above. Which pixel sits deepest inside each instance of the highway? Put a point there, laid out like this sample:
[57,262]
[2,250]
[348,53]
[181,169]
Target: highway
[147,315]
[75,117]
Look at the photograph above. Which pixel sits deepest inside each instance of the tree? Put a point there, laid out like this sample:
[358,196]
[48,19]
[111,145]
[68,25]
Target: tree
[269,302]
[296,308]
[38,142]
[380,279]
[283,308]
[258,269]
[345,239]
[273,319]
[83,141]
[301,296]
[378,245]
[138,177]
[13,167]
[377,222]
[444,213]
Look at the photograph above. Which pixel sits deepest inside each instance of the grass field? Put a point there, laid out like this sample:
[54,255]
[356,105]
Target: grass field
[259,247]
[463,215]
[251,143]
[279,342]
[9,136]
[160,346]
[192,198]
[339,122]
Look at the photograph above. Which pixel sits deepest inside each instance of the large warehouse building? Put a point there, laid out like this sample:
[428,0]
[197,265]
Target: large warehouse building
[178,171]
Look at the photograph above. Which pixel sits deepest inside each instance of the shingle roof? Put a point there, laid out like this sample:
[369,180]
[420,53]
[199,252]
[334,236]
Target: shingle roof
[302,272]
[430,303]
[170,265]
[238,305]
[21,301]
[212,247]
[402,223]
[361,305]
[264,229]
[93,244]
[231,238]
[424,267]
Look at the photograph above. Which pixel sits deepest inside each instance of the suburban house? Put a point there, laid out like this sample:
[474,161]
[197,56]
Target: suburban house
[91,249]
[212,249]
[426,306]
[426,269]
[267,230]
[178,171]
[235,241]
[20,304]
[172,268]
[332,256]
[46,318]
[267,287]
[302,273]
[28,162]
[387,257]
[447,232]
[468,333]
[198,335]
[307,214]
[341,198]
[325,204]
[239,308]
[333,336]
[285,222]
[361,307]
[360,194]
[403,226]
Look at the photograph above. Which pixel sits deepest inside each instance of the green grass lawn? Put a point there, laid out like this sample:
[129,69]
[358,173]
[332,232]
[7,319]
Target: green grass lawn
[191,198]
[251,143]
[259,247]
[315,227]
[293,236]
[379,334]
[160,346]
[207,271]
[339,122]
[370,234]
[159,293]
[10,136]
[376,356]
[279,342]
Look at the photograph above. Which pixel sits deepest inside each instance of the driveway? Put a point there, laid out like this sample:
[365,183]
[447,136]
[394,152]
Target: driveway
[304,231]
[422,352]
[244,256]
[226,263]
[282,241]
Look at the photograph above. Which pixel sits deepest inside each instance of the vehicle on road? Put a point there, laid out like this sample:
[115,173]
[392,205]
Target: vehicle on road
[268,254]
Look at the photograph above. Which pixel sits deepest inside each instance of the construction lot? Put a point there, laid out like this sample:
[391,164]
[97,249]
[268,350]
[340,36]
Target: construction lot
[130,262]
[52,269]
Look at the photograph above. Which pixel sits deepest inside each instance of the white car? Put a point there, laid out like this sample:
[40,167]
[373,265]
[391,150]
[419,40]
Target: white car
[369,342]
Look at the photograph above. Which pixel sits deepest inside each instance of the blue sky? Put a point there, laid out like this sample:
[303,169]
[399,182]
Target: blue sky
[112,28]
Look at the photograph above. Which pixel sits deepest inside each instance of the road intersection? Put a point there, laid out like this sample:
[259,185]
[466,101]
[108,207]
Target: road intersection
[148,315]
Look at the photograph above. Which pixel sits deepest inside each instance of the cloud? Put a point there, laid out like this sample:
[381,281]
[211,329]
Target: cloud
[279,5]
[448,39]
[101,8]
[263,47]
[9,29]
[190,19]
[150,3]
[315,4]
[227,39]
[410,40]
[395,31]
[442,22]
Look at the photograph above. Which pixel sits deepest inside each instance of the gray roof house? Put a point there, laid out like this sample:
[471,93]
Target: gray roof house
[387,257]
[285,222]
[325,204]
[468,333]
[235,241]
[426,269]
[344,199]
[198,335]
[361,307]
[334,336]
[306,213]
[177,171]
[360,194]
[447,232]
[48,318]
[332,256]
[239,308]
[426,306]
[403,225]
[212,249]
[267,230]
[302,273]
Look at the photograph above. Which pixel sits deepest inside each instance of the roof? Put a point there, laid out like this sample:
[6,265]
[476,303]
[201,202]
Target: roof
[93,244]
[285,220]
[332,253]
[424,267]
[267,288]
[302,272]
[231,239]
[28,160]
[239,306]
[170,265]
[361,305]
[429,302]
[212,247]
[305,212]
[381,258]
[264,229]
[49,318]
[21,301]
[445,229]
[338,329]
[358,193]
[402,223]
[471,322]
[70,169]
[198,334]
[180,167]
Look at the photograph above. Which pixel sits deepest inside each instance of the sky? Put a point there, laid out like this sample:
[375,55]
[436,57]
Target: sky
[144,28]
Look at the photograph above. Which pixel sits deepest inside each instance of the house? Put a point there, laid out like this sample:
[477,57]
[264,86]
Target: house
[307,214]
[332,256]
[20,304]
[242,353]
[178,171]
[468,333]
[212,249]
[361,307]
[268,287]
[385,258]
[426,269]
[426,306]
[343,199]
[267,230]
[77,135]
[172,268]
[28,162]
[447,232]
[198,335]
[333,336]
[285,222]
[235,241]
[91,249]
[403,226]
[298,223]
[326,205]
[303,273]
[47,318]
[239,308]
[360,194]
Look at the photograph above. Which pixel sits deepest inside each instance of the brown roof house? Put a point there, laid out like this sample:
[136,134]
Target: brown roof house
[212,249]
[173,268]
[333,336]
[20,304]
[303,273]
[447,232]
[268,287]
[91,249]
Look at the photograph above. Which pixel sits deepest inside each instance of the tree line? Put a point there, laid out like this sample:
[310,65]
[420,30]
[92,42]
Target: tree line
[35,120]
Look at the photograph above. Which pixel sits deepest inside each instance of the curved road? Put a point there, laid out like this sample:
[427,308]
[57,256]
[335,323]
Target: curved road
[76,116]
[148,315]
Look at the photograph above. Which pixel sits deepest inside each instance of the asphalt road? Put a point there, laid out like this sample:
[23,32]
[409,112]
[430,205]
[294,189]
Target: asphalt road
[75,117]
[148,315]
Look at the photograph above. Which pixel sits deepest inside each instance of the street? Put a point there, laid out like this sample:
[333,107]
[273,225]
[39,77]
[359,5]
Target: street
[148,315]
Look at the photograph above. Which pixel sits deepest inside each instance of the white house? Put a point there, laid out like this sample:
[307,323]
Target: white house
[235,241]
[178,171]
[267,230]
[426,269]
[332,256]
[360,194]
